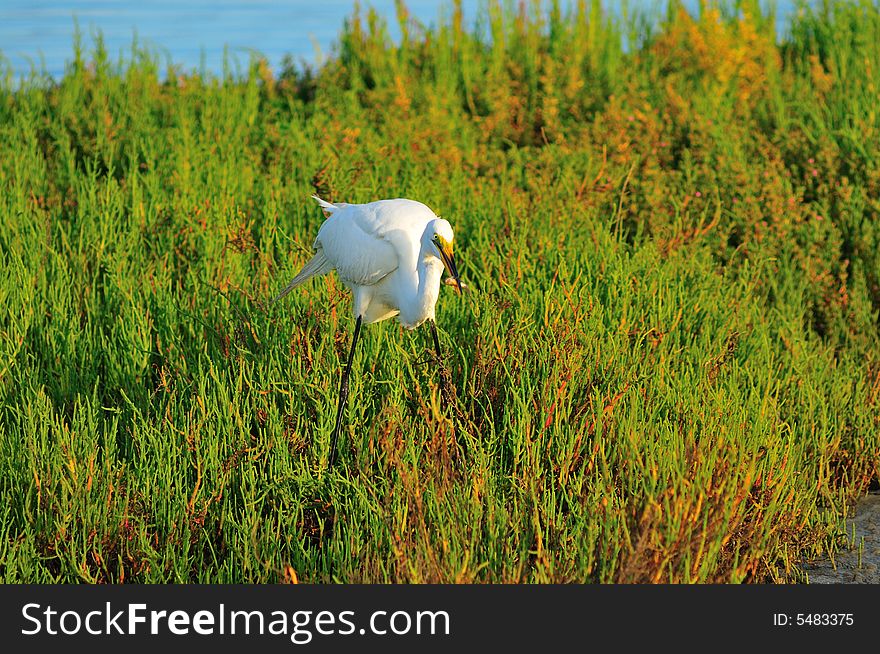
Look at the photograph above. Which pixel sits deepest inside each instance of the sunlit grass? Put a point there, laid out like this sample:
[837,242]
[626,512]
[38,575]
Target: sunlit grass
[667,367]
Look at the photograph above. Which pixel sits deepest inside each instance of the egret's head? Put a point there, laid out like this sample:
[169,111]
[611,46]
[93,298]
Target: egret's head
[440,232]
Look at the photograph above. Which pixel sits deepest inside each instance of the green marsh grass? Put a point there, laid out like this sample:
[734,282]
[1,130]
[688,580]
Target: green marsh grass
[667,368]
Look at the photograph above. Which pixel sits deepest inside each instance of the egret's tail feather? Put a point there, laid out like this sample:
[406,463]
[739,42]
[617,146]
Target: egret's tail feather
[318,265]
[328,207]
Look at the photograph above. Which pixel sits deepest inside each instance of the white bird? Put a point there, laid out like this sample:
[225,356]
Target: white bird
[391,254]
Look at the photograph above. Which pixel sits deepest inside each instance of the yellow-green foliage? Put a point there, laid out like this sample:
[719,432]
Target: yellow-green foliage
[667,368]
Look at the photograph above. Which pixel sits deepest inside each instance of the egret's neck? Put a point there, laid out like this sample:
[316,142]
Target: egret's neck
[430,276]
[421,306]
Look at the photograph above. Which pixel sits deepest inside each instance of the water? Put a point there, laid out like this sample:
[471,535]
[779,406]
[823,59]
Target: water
[186,32]
[194,33]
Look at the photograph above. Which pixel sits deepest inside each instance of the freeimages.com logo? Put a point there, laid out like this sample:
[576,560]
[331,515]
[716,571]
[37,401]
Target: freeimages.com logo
[300,626]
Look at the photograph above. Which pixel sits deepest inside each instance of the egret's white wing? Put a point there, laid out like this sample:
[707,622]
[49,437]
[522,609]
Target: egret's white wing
[360,257]
[318,265]
[367,242]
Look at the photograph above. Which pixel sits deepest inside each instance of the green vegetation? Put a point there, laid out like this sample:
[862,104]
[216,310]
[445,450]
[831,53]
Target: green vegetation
[667,368]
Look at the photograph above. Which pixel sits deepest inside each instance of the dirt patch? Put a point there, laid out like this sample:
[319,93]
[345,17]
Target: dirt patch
[846,568]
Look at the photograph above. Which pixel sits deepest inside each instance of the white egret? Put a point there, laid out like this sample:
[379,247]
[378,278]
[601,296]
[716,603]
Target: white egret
[391,254]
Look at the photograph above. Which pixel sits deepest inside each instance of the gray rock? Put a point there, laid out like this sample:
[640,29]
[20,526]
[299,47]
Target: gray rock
[846,569]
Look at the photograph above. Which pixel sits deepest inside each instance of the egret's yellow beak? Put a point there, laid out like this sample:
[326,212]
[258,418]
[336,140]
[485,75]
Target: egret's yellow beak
[449,261]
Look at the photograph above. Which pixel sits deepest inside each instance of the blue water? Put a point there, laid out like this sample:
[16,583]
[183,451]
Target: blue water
[185,32]
[194,33]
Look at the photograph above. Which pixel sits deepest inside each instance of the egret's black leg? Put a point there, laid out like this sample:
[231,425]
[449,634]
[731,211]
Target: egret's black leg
[343,393]
[436,339]
[436,357]
[445,379]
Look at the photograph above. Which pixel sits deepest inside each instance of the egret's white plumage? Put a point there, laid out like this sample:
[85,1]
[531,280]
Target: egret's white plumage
[390,253]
